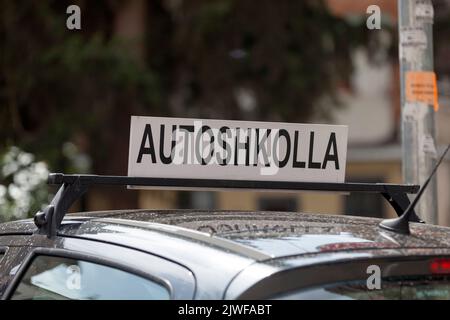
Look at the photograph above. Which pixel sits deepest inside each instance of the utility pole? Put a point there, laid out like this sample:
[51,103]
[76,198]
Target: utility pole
[418,100]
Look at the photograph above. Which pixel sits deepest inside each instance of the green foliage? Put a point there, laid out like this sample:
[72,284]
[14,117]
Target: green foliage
[288,55]
[205,58]
[22,185]
[56,84]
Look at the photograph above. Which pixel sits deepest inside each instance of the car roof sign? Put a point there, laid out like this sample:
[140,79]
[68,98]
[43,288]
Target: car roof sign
[181,148]
[238,155]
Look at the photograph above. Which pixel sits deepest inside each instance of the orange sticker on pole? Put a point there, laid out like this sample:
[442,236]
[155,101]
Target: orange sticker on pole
[421,86]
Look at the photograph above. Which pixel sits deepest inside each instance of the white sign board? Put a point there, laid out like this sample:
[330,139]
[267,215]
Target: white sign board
[236,150]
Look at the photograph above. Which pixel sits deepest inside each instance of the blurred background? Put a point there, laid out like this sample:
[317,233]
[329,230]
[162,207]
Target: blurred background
[66,96]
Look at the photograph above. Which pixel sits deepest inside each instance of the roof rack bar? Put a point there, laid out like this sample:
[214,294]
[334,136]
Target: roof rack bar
[57,178]
[74,186]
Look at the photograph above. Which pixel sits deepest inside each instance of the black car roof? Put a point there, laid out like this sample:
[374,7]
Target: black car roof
[256,235]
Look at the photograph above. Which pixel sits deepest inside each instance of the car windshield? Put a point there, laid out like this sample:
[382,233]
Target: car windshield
[398,288]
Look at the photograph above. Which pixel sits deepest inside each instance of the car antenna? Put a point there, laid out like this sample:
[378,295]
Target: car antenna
[401,224]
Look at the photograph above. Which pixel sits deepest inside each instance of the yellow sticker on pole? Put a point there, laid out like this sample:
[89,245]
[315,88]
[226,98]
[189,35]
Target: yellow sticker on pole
[421,86]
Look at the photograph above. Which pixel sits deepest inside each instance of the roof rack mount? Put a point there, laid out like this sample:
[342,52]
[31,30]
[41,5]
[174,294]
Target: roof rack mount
[74,187]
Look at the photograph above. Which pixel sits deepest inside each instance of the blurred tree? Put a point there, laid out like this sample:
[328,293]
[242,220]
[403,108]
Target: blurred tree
[59,85]
[262,61]
[204,58]
[22,184]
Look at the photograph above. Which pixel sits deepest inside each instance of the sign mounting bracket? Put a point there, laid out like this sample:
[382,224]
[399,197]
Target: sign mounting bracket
[73,187]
